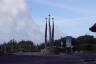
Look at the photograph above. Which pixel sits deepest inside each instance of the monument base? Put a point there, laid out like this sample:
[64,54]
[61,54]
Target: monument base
[49,51]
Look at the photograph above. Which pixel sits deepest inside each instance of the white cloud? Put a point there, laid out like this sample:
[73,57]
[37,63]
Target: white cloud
[13,7]
[16,21]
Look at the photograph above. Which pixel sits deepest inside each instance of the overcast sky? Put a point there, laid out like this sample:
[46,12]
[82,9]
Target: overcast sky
[25,19]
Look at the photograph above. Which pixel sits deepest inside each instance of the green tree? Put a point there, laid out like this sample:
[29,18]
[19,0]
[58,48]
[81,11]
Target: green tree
[26,46]
[12,46]
[86,42]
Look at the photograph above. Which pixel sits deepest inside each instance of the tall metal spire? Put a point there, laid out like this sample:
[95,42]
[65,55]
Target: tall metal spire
[46,33]
[53,31]
[50,38]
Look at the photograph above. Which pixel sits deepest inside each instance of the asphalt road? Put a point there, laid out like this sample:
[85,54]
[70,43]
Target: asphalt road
[87,58]
[24,59]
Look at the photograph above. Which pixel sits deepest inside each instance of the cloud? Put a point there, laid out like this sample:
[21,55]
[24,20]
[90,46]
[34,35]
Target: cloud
[16,22]
[13,7]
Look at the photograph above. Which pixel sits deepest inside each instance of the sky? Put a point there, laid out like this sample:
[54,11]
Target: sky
[25,19]
[72,17]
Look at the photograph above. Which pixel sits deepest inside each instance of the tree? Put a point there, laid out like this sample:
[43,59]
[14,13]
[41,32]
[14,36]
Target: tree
[3,49]
[12,46]
[26,46]
[86,42]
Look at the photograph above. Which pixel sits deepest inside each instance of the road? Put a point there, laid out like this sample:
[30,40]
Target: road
[87,58]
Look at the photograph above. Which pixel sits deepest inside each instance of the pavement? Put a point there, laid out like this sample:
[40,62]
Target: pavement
[32,58]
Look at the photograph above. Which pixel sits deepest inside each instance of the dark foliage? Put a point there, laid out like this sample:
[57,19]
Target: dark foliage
[13,46]
[82,43]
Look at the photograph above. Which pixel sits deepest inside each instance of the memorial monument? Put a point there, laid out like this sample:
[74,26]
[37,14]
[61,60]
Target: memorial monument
[51,31]
[49,48]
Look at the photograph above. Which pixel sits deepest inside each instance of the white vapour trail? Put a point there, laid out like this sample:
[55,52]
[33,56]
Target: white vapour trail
[16,22]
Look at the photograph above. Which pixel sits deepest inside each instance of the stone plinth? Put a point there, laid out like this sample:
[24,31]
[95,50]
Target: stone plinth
[50,51]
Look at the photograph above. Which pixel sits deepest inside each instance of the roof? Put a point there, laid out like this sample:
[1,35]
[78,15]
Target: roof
[93,28]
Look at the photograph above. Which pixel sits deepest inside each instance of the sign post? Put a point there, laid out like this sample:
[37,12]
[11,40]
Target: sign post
[68,44]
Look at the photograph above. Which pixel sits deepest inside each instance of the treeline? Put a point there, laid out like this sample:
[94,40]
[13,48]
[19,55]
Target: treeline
[82,43]
[13,47]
